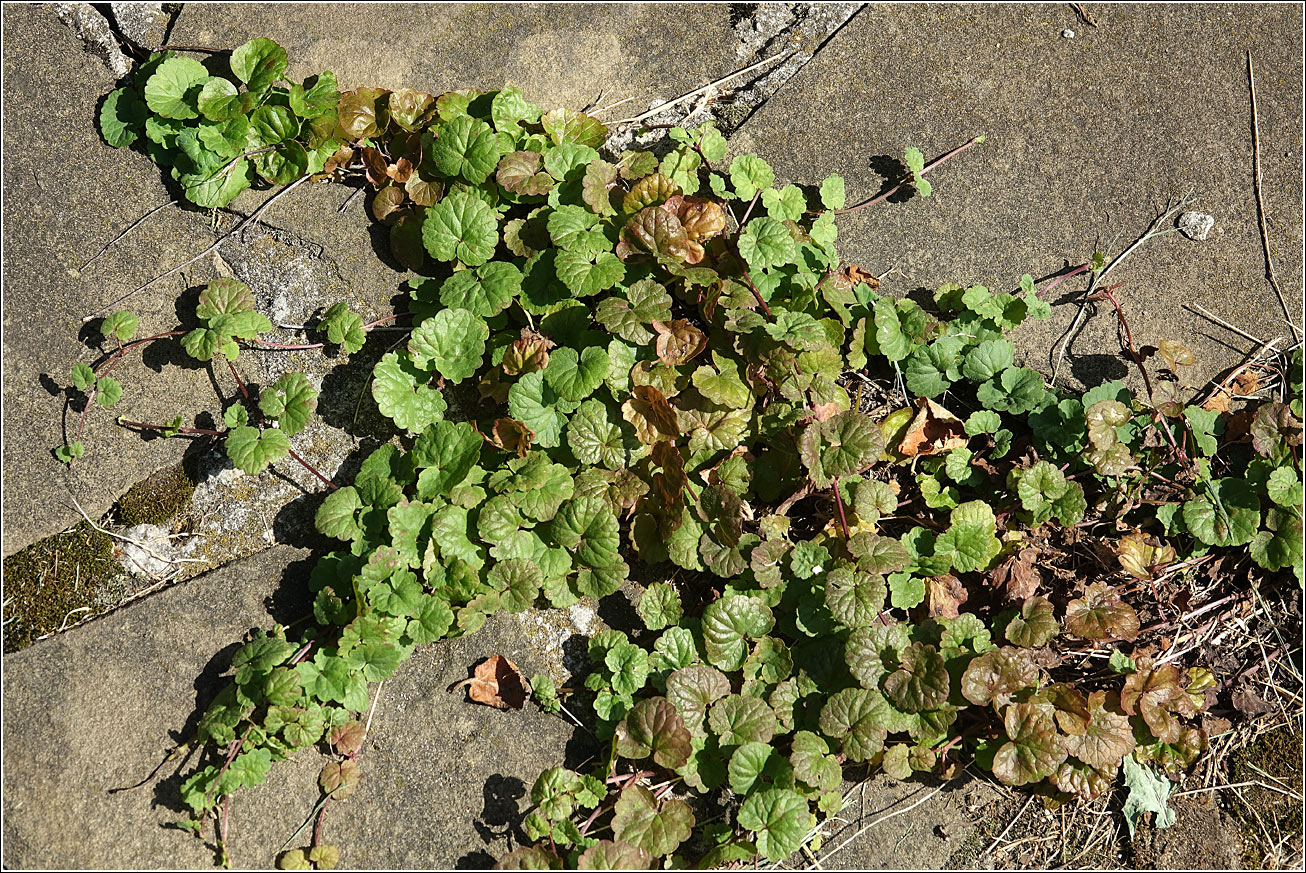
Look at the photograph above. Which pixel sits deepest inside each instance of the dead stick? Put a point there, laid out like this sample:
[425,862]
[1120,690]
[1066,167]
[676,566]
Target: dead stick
[1260,203]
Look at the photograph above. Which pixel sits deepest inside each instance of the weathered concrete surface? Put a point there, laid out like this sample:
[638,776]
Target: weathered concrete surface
[1086,138]
[559,55]
[96,707]
[66,195]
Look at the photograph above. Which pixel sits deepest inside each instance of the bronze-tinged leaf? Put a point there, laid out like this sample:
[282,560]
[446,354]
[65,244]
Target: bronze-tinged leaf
[653,418]
[520,173]
[656,232]
[401,170]
[425,192]
[1017,576]
[945,594]
[1143,556]
[678,341]
[342,159]
[411,110]
[1101,615]
[387,202]
[527,354]
[1157,693]
[347,738]
[374,165]
[363,113]
[669,485]
[493,389]
[511,436]
[701,218]
[933,430]
[496,682]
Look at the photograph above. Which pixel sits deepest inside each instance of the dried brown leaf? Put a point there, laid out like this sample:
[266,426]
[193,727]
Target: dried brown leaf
[496,682]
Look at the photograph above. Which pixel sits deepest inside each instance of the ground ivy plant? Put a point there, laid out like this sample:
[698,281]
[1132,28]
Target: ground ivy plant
[662,347]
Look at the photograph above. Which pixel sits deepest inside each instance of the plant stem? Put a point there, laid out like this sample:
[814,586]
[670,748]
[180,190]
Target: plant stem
[244,392]
[1082,268]
[1129,338]
[309,467]
[758,297]
[321,819]
[197,431]
[838,501]
[896,188]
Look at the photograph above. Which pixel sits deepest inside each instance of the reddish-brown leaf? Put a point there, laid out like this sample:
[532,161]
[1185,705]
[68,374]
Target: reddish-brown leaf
[1017,576]
[933,430]
[512,436]
[945,594]
[496,682]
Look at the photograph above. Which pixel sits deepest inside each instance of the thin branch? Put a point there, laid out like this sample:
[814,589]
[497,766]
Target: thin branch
[1220,321]
[252,217]
[692,94]
[1260,202]
[309,467]
[129,229]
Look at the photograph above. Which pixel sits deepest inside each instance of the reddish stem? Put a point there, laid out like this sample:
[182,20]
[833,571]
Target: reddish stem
[896,188]
[108,364]
[838,501]
[749,210]
[758,297]
[286,348]
[1082,268]
[321,819]
[309,467]
[1105,293]
[244,392]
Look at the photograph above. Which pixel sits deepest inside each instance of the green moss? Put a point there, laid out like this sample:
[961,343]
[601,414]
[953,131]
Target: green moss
[156,499]
[46,581]
[1278,753]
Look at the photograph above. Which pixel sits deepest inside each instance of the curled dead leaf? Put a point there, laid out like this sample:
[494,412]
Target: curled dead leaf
[856,275]
[511,436]
[1017,576]
[933,430]
[496,682]
[945,594]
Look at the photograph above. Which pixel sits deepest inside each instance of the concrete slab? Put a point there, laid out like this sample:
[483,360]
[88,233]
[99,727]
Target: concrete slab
[95,708]
[1087,136]
[559,55]
[67,194]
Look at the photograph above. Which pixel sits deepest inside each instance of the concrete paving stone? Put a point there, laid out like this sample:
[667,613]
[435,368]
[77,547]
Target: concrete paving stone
[67,194]
[558,55]
[1086,138]
[444,783]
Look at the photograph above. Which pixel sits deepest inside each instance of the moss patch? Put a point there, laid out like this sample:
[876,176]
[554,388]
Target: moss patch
[157,499]
[1278,753]
[48,580]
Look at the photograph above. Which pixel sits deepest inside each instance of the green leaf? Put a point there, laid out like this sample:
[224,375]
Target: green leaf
[461,227]
[736,719]
[1225,512]
[856,717]
[1284,487]
[750,174]
[252,451]
[568,125]
[466,147]
[574,376]
[588,527]
[219,101]
[174,88]
[343,327]
[452,342]
[246,769]
[747,764]
[122,117]
[519,582]
[780,818]
[404,394]
[767,243]
[317,99]
[585,274]
[915,162]
[969,547]
[259,63]
[1035,625]
[987,360]
[445,454]
[610,855]
[291,400]
[812,762]
[727,623]
[534,404]
[832,192]
[83,377]
[107,391]
[1148,792]
[785,204]
[855,599]
[593,437]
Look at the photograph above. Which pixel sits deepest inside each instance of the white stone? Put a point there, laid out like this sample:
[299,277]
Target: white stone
[150,551]
[1196,225]
[1067,34]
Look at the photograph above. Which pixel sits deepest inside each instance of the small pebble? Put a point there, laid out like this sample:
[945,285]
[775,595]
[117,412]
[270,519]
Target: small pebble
[1196,225]
[1067,34]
